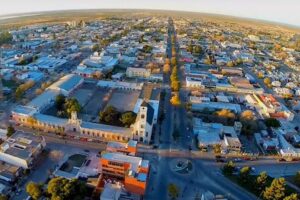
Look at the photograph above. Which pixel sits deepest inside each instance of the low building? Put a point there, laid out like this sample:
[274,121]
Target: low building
[132,171]
[138,72]
[128,148]
[21,149]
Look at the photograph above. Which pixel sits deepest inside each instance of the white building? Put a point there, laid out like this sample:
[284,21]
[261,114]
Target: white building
[21,149]
[138,72]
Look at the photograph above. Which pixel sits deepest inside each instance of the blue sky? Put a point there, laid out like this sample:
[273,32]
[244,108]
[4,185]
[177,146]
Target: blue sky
[284,11]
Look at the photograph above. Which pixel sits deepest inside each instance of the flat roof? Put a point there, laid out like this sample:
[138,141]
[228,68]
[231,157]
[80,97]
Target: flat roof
[50,119]
[67,82]
[43,99]
[24,110]
[121,158]
[106,128]
[21,145]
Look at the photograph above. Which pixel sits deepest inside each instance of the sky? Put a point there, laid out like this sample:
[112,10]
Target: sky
[283,11]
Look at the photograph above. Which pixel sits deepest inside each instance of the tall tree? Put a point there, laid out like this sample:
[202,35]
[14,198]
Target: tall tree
[261,181]
[64,189]
[34,190]
[276,191]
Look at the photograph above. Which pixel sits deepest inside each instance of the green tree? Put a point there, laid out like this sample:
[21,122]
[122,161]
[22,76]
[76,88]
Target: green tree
[297,179]
[261,181]
[173,61]
[175,101]
[10,130]
[276,191]
[63,189]
[34,190]
[228,168]
[292,197]
[5,37]
[110,115]
[244,175]
[272,122]
[173,191]
[72,105]
[128,118]
[217,149]
[60,100]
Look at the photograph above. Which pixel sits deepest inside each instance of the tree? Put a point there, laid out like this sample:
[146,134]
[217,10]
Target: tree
[166,68]
[297,179]
[261,181]
[228,168]
[167,61]
[175,85]
[60,101]
[5,37]
[72,105]
[3,197]
[245,174]
[292,197]
[10,130]
[260,75]
[230,64]
[267,81]
[272,122]
[63,189]
[128,118]
[225,113]
[276,191]
[173,61]
[217,149]
[173,191]
[34,190]
[110,115]
[198,49]
[175,101]
[247,115]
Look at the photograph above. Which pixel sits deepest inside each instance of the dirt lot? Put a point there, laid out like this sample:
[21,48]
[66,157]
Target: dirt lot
[124,100]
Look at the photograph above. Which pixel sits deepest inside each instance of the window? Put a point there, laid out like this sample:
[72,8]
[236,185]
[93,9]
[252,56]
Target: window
[146,134]
[142,116]
[142,126]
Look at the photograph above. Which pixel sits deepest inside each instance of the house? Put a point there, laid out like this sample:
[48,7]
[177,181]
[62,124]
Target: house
[138,72]
[21,149]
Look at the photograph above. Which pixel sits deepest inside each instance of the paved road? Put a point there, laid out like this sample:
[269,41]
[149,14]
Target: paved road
[205,174]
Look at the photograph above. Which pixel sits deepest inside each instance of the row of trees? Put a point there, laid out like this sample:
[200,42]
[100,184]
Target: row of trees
[23,88]
[261,185]
[58,189]
[42,88]
[112,116]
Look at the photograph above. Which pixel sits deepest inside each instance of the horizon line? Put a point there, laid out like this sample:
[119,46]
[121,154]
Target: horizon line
[28,14]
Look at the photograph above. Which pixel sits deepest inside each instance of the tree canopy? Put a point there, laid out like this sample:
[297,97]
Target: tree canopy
[5,37]
[34,190]
[272,122]
[276,191]
[64,189]
[10,130]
